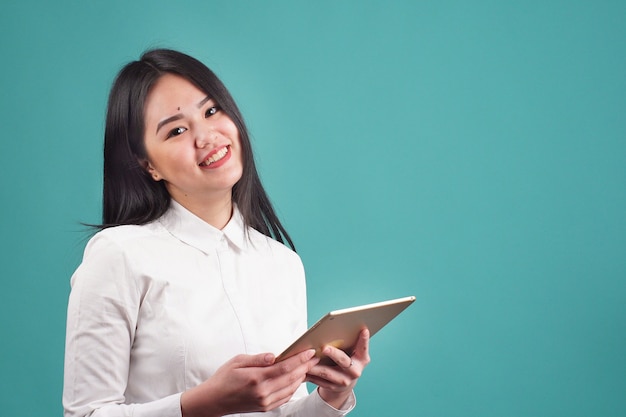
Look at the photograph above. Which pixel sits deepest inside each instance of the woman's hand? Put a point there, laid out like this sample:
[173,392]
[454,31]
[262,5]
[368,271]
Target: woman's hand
[336,382]
[248,383]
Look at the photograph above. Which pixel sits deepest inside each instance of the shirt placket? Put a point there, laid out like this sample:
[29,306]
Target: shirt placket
[236,295]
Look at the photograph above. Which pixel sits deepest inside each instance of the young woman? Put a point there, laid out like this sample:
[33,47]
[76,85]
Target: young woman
[188,290]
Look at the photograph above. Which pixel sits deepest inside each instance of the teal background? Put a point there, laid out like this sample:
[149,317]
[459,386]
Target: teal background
[471,153]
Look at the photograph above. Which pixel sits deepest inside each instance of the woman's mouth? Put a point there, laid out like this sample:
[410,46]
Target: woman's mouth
[215,157]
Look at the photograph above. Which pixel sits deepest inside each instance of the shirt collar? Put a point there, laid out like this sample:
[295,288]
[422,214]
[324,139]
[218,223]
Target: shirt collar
[192,230]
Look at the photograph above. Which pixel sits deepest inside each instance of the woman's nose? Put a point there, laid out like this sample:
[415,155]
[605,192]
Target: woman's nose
[205,138]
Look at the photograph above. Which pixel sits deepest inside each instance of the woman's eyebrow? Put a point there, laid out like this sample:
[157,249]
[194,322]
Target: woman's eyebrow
[168,120]
[180,116]
[203,102]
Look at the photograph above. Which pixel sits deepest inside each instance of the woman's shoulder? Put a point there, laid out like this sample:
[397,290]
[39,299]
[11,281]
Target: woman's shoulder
[262,242]
[127,232]
[125,235]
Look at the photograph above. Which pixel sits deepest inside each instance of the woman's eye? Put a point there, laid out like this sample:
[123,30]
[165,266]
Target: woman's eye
[176,131]
[211,111]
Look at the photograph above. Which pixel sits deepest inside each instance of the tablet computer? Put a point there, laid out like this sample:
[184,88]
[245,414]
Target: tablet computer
[341,328]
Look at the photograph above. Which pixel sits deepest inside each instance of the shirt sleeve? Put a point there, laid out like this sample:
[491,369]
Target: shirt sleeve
[313,405]
[304,404]
[101,320]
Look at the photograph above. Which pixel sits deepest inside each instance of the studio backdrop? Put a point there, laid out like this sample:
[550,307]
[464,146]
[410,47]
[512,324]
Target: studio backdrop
[470,153]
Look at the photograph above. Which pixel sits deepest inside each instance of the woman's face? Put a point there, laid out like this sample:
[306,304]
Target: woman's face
[191,143]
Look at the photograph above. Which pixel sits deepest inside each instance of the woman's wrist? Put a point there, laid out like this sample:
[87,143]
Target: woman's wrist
[335,399]
[197,402]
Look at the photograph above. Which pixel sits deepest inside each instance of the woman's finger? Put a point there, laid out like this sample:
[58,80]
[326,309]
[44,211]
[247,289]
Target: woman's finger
[362,348]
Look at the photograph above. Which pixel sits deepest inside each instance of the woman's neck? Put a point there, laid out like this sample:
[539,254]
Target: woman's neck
[216,212]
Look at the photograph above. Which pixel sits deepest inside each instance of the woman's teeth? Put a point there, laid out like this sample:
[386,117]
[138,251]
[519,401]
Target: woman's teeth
[216,156]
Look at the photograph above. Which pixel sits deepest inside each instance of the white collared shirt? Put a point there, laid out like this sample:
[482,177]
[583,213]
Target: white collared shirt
[156,309]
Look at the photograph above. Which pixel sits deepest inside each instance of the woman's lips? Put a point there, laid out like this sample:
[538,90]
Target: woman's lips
[216,158]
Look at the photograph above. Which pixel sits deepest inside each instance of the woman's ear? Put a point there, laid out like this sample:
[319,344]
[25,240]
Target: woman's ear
[150,169]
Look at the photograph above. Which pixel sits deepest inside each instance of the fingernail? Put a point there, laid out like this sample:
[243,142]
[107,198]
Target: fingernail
[269,358]
[310,353]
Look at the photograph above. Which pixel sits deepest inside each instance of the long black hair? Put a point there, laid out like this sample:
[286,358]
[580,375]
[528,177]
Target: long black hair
[130,195]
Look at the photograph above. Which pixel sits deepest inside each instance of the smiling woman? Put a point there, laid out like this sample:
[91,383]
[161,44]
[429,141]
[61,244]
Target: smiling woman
[190,268]
[131,196]
[196,152]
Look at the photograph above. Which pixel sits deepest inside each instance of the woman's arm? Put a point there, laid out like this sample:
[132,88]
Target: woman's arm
[101,325]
